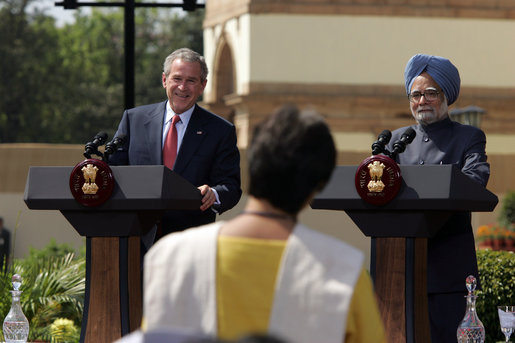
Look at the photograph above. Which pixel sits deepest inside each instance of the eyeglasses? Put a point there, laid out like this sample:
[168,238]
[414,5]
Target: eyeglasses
[429,94]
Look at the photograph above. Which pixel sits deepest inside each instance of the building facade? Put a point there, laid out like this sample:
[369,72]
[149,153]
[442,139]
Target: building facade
[346,59]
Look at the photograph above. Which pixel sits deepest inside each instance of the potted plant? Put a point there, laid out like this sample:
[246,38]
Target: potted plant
[507,219]
[509,238]
[497,237]
[484,236]
[507,213]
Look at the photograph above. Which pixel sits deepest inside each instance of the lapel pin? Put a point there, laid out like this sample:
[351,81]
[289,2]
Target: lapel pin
[199,132]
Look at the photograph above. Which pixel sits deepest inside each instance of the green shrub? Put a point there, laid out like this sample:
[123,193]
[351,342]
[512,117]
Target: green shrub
[53,249]
[507,213]
[63,331]
[497,277]
[53,287]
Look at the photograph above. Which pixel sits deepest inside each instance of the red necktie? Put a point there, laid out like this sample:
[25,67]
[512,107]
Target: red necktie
[170,147]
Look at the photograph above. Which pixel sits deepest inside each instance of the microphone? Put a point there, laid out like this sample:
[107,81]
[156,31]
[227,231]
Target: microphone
[113,145]
[383,139]
[406,138]
[92,147]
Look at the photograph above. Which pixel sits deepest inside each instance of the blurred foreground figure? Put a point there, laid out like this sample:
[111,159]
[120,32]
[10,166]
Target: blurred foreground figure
[263,272]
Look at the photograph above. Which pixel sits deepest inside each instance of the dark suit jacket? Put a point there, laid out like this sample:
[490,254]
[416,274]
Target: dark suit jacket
[451,253]
[208,155]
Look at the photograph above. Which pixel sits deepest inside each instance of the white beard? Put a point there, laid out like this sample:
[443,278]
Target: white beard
[431,115]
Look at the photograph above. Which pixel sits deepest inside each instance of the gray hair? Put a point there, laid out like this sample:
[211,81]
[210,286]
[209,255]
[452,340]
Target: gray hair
[187,55]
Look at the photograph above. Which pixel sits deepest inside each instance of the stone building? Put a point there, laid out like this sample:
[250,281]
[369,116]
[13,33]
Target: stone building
[346,59]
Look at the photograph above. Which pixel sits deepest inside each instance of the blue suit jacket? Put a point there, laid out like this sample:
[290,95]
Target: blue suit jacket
[208,155]
[451,253]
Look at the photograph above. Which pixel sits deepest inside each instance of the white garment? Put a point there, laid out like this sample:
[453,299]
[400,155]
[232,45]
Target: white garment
[314,286]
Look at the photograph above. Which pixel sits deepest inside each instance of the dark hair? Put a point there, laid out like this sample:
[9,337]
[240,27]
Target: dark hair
[291,154]
[260,338]
[252,338]
[187,55]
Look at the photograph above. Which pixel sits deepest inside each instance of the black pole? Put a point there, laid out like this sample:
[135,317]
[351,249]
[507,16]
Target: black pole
[129,33]
[129,54]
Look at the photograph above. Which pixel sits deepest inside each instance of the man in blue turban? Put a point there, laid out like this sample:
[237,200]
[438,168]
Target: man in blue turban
[441,70]
[432,84]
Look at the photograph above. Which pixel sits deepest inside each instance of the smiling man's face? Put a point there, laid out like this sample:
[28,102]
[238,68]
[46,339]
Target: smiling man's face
[183,85]
[428,112]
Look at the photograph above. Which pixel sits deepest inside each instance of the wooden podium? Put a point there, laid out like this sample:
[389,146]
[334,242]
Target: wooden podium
[428,196]
[113,297]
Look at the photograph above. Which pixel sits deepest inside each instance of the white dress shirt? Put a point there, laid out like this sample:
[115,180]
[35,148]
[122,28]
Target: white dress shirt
[180,125]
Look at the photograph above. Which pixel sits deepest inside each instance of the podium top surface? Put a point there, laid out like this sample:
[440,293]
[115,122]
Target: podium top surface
[429,187]
[136,188]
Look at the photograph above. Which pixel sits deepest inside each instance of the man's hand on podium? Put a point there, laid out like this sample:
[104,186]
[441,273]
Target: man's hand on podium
[208,197]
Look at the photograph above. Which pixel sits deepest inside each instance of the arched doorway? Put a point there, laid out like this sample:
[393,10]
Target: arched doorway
[224,81]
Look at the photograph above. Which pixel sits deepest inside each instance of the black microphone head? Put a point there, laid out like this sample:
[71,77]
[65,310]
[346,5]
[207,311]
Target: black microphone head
[400,145]
[385,136]
[92,147]
[115,143]
[120,139]
[383,139]
[101,137]
[409,135]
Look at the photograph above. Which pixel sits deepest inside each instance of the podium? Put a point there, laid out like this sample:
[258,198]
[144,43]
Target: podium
[141,194]
[428,196]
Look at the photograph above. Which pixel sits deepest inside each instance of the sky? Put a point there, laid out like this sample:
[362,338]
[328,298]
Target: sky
[67,16]
[62,16]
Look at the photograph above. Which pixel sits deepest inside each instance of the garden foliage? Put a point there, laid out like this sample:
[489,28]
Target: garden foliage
[497,277]
[53,288]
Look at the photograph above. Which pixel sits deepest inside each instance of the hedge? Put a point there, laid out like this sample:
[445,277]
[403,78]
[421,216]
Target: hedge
[497,277]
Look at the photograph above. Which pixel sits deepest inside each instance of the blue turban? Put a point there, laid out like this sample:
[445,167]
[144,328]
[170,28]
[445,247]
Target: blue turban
[440,69]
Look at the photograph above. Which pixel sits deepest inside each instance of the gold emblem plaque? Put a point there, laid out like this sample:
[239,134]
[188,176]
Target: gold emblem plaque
[378,179]
[91,182]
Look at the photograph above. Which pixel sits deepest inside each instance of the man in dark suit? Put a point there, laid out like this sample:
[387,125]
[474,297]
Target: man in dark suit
[198,145]
[432,84]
